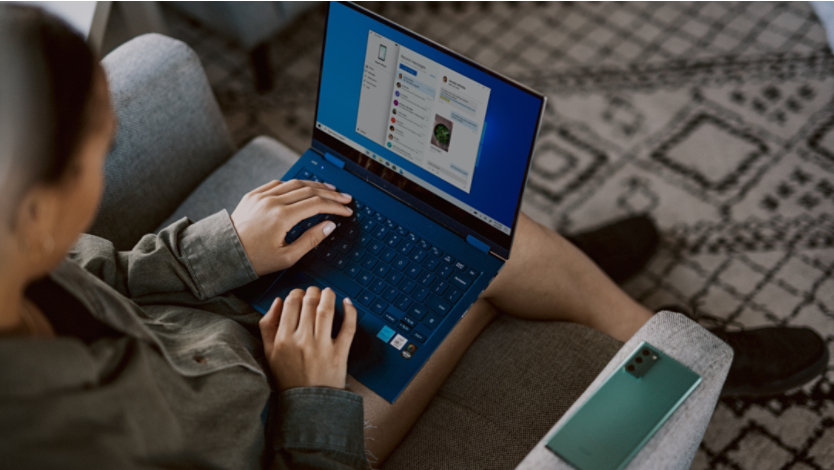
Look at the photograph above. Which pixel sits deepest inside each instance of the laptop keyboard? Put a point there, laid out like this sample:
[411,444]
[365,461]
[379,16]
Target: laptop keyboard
[398,276]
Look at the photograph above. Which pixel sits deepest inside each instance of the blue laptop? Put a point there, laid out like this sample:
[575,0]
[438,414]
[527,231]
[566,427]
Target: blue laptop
[435,151]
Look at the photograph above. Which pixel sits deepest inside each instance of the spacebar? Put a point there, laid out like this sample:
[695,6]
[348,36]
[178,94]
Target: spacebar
[336,279]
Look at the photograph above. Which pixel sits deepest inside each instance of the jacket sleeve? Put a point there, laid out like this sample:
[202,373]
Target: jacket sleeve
[205,259]
[317,428]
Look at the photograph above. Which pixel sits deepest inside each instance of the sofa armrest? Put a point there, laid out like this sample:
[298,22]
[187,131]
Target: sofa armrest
[675,444]
[170,135]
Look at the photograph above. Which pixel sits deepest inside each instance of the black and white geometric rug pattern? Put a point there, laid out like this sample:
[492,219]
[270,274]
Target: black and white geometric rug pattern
[715,118]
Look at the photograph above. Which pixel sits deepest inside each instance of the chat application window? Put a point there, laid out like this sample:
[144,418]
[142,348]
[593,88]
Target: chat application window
[422,111]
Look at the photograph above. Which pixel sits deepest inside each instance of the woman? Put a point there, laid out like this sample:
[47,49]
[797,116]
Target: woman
[126,359]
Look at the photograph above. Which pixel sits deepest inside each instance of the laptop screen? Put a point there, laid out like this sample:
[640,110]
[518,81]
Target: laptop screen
[448,133]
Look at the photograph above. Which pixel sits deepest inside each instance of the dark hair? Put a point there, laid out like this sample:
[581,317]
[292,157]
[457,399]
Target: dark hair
[66,72]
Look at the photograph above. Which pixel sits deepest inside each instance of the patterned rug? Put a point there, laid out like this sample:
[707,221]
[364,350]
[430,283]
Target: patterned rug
[715,118]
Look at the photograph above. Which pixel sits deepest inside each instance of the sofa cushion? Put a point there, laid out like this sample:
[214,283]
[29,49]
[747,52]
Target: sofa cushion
[170,135]
[261,160]
[513,383]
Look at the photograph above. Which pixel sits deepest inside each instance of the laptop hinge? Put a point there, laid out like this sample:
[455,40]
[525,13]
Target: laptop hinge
[481,246]
[334,160]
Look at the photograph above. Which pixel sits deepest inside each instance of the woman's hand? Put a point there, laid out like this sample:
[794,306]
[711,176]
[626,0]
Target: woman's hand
[297,339]
[265,215]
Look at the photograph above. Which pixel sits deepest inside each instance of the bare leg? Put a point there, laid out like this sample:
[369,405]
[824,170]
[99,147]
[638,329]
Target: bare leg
[546,278]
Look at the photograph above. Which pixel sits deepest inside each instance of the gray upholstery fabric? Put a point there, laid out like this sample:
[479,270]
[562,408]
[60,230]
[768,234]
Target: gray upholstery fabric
[512,384]
[247,23]
[674,445]
[261,160]
[170,135]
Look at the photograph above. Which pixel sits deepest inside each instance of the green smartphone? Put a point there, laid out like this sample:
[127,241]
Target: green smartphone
[608,430]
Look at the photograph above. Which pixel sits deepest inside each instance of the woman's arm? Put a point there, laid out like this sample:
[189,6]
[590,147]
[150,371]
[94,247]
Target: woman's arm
[220,252]
[315,422]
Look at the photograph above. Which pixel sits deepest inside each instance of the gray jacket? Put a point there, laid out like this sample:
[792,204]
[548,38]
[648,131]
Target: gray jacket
[181,386]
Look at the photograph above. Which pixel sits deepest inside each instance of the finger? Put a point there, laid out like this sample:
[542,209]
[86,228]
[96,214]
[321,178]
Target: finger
[294,184]
[308,311]
[345,336]
[269,325]
[309,240]
[324,315]
[306,192]
[267,186]
[290,313]
[318,205]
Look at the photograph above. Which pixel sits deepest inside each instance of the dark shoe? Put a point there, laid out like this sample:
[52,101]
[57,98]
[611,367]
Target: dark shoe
[773,360]
[621,248]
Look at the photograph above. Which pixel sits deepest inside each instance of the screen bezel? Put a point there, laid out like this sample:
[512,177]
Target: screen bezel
[416,196]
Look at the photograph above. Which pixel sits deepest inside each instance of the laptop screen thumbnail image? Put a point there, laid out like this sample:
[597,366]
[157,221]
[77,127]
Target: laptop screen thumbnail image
[448,131]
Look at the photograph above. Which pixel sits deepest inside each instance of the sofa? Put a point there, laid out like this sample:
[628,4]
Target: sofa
[173,157]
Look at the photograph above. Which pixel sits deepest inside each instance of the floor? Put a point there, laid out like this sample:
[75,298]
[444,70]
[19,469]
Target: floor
[715,118]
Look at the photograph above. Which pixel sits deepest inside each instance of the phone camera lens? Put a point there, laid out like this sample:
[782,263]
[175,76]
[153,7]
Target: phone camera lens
[646,352]
[638,360]
[630,368]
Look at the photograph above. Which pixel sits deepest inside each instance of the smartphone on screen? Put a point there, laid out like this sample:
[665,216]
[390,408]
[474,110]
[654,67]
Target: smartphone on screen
[608,430]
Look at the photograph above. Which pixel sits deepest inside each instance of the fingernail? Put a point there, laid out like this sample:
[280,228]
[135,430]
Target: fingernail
[349,210]
[347,196]
[329,227]
[329,186]
[348,301]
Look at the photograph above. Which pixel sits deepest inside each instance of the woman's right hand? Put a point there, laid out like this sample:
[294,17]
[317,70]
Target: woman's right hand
[297,339]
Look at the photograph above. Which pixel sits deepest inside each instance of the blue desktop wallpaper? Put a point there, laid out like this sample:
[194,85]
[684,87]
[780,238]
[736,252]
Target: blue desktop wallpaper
[510,126]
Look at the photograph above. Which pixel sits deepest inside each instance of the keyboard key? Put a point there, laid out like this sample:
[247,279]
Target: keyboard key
[365,298]
[439,305]
[392,239]
[394,277]
[381,269]
[380,232]
[460,281]
[387,255]
[390,318]
[409,321]
[413,271]
[378,306]
[395,312]
[401,231]
[343,246]
[304,174]
[378,286]
[353,270]
[426,278]
[405,328]
[402,302]
[400,263]
[435,252]
[418,255]
[365,278]
[445,271]
[421,294]
[431,263]
[407,285]
[460,266]
[448,259]
[390,294]
[368,262]
[417,312]
[431,321]
[472,274]
[439,287]
[375,246]
[453,295]
[420,334]
[423,245]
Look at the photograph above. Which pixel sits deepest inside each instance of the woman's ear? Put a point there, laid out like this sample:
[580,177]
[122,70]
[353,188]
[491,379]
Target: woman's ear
[37,216]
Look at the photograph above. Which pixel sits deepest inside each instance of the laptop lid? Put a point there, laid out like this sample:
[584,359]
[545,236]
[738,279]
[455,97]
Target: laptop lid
[439,132]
